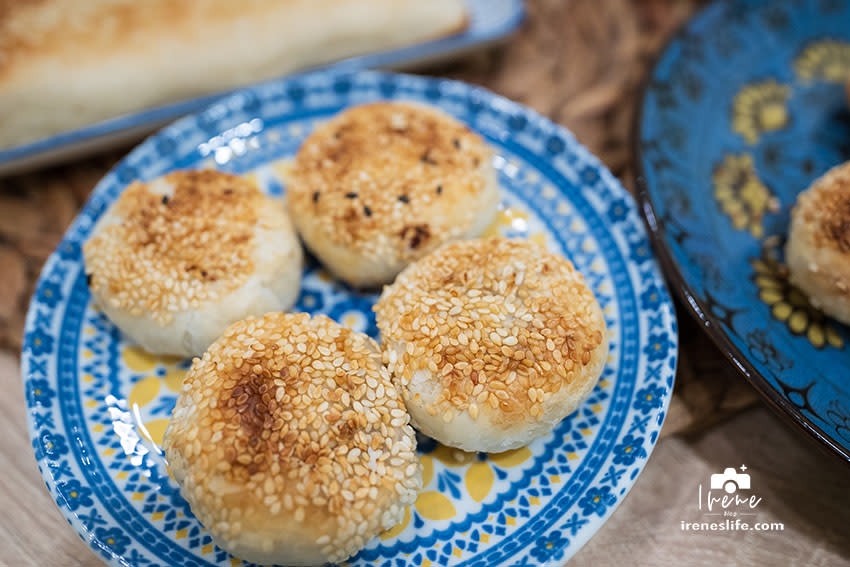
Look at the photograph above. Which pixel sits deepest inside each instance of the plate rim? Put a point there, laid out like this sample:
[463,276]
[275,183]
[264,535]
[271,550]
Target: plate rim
[695,307]
[503,104]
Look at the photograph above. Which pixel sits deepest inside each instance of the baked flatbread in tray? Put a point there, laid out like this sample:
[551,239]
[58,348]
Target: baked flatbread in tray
[75,74]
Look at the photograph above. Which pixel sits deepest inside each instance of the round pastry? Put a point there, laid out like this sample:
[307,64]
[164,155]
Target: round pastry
[818,249]
[383,184]
[174,261]
[492,342]
[290,442]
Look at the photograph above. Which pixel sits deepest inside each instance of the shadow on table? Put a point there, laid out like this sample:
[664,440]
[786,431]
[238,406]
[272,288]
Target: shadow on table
[800,484]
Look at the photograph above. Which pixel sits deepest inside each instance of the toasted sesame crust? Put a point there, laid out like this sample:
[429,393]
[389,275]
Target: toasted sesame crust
[186,242]
[502,324]
[818,250]
[390,180]
[285,418]
[827,205]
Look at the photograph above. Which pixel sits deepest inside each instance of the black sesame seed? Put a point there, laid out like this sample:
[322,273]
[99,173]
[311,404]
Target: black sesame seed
[203,273]
[426,158]
[367,211]
[404,199]
[351,195]
[439,189]
[315,196]
[165,199]
[456,143]
[88,280]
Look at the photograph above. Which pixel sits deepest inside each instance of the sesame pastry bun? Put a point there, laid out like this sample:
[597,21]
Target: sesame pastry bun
[492,342]
[174,261]
[290,442]
[818,248]
[383,184]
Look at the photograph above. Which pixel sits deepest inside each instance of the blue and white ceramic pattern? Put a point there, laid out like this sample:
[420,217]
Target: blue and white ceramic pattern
[98,405]
[489,21]
[744,110]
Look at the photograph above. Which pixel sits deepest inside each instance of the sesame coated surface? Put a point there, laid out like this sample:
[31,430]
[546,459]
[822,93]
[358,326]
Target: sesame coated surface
[176,250]
[503,324]
[300,416]
[827,205]
[390,178]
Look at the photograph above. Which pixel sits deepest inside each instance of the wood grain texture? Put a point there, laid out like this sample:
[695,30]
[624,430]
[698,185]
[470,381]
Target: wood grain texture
[32,531]
[801,487]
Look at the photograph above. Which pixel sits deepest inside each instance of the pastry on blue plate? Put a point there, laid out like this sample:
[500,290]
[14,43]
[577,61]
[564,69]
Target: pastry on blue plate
[492,342]
[176,260]
[381,185]
[818,248]
[290,442]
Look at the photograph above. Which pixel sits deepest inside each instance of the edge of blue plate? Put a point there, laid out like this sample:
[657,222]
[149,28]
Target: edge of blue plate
[505,105]
[676,280]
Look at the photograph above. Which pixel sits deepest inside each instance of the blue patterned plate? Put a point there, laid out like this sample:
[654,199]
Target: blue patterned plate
[98,405]
[744,109]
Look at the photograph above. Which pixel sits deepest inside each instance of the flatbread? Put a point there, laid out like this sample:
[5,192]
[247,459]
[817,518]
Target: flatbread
[69,63]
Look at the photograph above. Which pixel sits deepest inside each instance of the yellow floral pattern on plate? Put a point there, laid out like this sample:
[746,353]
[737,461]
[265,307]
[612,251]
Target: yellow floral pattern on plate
[791,306]
[741,194]
[478,480]
[148,388]
[759,108]
[827,60]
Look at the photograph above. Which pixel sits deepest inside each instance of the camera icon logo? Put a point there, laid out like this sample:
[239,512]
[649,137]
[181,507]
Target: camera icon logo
[730,480]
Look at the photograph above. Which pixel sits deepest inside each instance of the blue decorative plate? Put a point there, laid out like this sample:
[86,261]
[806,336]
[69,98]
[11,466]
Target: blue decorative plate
[98,405]
[489,21]
[744,110]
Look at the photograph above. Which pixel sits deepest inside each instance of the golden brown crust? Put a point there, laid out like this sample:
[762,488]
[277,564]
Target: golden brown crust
[383,176]
[173,252]
[503,324]
[68,28]
[828,205]
[300,416]
[818,248]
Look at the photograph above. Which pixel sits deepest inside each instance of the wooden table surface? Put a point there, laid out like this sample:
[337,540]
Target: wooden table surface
[581,63]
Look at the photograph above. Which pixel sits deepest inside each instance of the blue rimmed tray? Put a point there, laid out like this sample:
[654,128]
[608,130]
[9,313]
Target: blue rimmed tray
[489,21]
